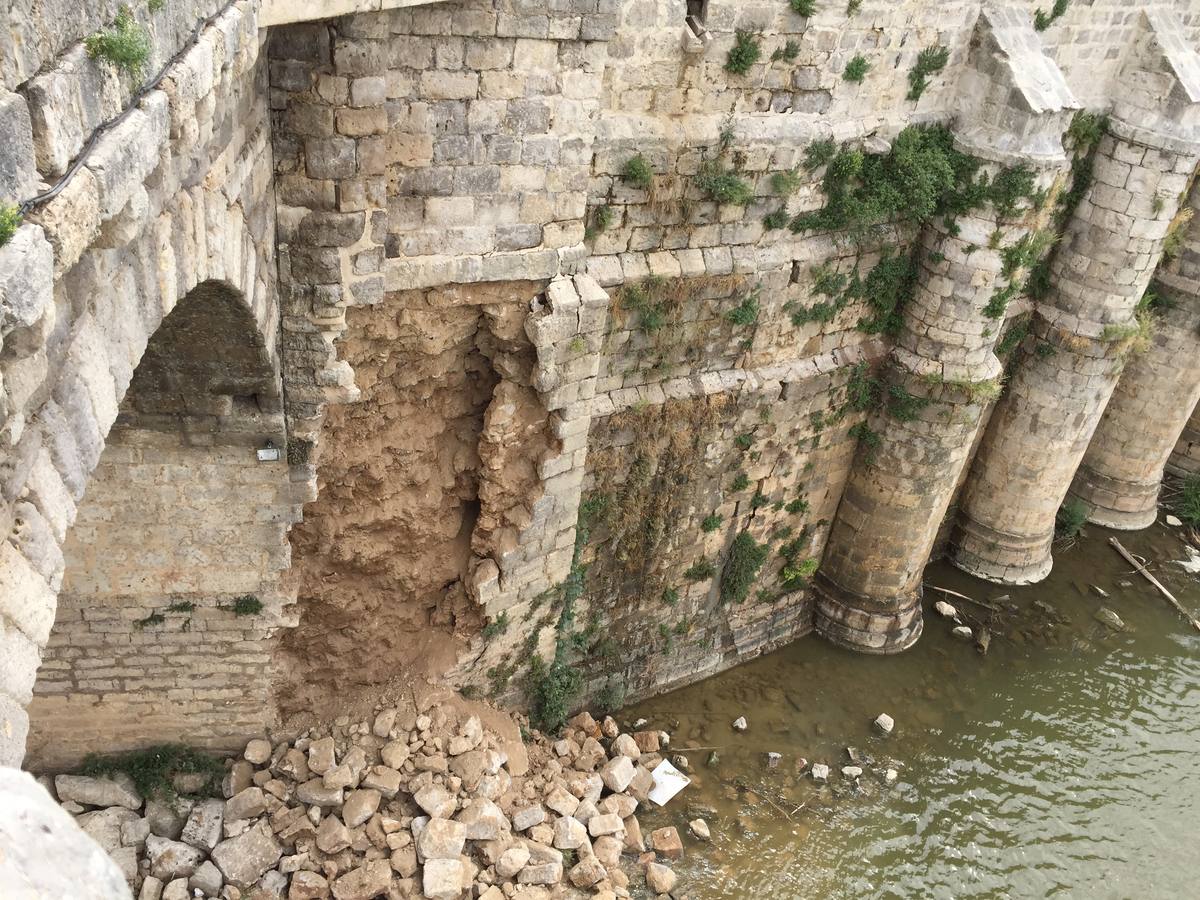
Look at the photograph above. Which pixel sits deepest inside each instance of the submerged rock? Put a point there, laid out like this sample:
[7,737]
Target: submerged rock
[885,723]
[1108,618]
[820,772]
[963,633]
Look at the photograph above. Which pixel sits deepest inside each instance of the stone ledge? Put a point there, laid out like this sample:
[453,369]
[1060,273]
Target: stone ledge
[284,12]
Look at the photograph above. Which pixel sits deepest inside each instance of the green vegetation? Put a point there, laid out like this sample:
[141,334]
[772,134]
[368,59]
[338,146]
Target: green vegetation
[724,186]
[1012,338]
[930,61]
[746,312]
[151,769]
[1086,129]
[759,500]
[182,606]
[740,482]
[820,153]
[856,69]
[902,405]
[711,523]
[611,697]
[785,183]
[496,627]
[1070,519]
[246,605]
[746,556]
[602,219]
[648,299]
[862,390]
[870,441]
[1043,20]
[10,221]
[773,221]
[787,53]
[922,176]
[853,7]
[1172,242]
[1011,185]
[1187,506]
[744,441]
[997,304]
[670,596]
[799,506]
[637,172]
[126,45]
[796,575]
[701,570]
[806,8]
[152,619]
[156,5]
[744,53]
[553,687]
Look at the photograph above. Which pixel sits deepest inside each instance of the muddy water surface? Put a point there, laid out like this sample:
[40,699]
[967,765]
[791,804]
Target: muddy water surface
[1065,763]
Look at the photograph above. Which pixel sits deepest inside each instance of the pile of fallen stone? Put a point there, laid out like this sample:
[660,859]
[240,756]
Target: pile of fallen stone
[411,805]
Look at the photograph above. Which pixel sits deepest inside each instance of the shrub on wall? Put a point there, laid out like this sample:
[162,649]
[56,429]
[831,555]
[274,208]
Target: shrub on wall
[724,186]
[10,221]
[637,172]
[746,557]
[746,51]
[856,69]
[930,61]
[806,8]
[126,45]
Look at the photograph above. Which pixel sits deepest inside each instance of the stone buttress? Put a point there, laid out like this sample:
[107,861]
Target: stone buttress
[1121,473]
[1015,107]
[1044,423]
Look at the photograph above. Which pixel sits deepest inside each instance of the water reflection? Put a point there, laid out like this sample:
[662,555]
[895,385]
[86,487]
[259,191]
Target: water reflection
[1064,763]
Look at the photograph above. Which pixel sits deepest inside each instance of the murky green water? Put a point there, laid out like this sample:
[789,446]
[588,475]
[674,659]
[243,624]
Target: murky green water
[1065,763]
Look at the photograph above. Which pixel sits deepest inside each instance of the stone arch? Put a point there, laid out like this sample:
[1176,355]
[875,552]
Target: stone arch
[171,593]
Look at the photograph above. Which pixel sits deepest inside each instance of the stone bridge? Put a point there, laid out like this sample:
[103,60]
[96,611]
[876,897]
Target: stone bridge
[369,248]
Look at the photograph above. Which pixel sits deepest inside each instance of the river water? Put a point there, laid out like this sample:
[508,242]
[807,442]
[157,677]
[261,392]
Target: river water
[1065,763]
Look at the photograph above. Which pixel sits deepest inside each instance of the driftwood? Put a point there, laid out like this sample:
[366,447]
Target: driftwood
[987,606]
[1138,567]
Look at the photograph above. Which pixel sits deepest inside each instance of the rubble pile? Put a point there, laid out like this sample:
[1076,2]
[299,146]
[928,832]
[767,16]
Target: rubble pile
[410,805]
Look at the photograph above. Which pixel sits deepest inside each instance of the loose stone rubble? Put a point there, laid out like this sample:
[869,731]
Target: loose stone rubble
[407,806]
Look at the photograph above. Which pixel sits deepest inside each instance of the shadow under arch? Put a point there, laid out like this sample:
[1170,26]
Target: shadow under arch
[171,595]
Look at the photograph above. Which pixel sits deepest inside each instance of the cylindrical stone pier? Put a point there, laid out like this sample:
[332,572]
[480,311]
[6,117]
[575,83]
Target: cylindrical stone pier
[1043,425]
[944,372]
[1121,473]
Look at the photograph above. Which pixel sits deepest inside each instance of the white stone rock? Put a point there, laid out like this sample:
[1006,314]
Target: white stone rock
[740,724]
[443,879]
[851,771]
[569,833]
[617,774]
[172,859]
[244,859]
[890,776]
[1174,521]
[699,829]
[963,632]
[820,772]
[442,839]
[257,751]
[885,723]
[203,827]
[946,610]
[97,791]
[512,861]
[436,801]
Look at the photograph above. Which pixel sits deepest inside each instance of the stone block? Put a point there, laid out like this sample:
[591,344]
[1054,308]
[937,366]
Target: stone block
[244,859]
[18,170]
[26,278]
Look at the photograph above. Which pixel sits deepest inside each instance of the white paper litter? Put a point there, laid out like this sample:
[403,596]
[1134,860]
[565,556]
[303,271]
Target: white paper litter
[668,781]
